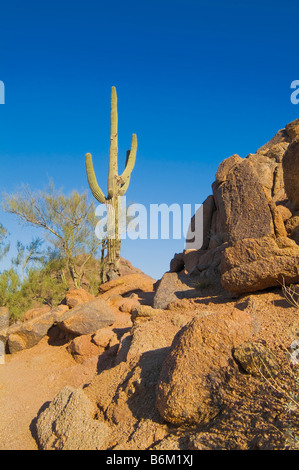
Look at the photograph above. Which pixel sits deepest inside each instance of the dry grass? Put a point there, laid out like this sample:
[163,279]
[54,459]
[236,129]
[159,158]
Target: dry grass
[291,294]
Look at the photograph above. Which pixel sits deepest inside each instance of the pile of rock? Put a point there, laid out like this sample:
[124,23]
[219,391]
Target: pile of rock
[251,222]
[79,318]
[171,372]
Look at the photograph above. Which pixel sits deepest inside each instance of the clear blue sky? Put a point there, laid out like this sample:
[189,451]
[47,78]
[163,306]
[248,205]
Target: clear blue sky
[197,81]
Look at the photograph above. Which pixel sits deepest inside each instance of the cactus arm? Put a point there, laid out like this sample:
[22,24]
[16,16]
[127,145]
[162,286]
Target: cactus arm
[131,158]
[113,167]
[92,180]
[124,187]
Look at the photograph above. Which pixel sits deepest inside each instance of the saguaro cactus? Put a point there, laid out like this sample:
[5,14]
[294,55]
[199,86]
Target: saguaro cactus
[117,186]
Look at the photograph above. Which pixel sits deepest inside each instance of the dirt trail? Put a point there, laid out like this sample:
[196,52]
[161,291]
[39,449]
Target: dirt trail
[28,380]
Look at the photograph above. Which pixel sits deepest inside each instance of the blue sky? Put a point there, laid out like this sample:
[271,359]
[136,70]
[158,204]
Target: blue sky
[197,81]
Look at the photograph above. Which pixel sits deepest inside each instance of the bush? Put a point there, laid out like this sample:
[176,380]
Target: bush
[40,287]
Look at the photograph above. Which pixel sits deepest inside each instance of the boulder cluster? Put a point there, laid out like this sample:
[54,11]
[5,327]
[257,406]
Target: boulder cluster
[251,221]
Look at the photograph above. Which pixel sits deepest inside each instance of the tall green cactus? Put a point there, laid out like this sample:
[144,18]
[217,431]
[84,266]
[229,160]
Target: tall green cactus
[117,185]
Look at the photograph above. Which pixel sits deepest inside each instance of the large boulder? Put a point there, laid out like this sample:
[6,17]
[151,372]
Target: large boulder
[69,423]
[255,264]
[189,388]
[87,318]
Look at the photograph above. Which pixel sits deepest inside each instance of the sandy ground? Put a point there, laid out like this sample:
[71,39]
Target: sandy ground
[28,380]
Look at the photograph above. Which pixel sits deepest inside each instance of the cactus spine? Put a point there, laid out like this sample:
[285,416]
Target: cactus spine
[117,185]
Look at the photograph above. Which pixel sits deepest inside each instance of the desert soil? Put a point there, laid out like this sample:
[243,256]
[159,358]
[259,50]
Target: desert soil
[28,380]
[31,378]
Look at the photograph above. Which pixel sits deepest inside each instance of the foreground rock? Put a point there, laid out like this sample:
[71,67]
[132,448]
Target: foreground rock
[69,423]
[189,389]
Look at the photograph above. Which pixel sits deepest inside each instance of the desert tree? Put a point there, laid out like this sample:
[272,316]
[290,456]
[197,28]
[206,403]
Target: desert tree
[29,255]
[68,224]
[4,245]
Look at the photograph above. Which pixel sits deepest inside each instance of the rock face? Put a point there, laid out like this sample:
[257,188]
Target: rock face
[226,166]
[189,389]
[69,423]
[243,205]
[254,207]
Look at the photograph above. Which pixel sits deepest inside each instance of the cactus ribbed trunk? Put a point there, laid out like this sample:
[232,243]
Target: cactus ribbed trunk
[117,186]
[114,244]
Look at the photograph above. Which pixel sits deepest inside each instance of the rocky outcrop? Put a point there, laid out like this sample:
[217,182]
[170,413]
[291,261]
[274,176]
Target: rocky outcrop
[85,319]
[185,366]
[254,205]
